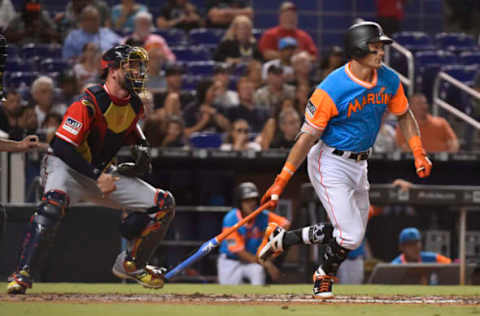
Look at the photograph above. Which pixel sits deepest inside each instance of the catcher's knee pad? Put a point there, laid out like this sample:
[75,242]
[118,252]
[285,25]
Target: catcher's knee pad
[145,230]
[331,256]
[42,229]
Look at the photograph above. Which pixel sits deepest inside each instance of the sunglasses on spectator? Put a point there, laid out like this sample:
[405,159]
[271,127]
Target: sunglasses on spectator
[242,130]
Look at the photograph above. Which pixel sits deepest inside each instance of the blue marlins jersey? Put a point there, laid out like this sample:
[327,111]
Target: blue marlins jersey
[425,257]
[249,236]
[349,111]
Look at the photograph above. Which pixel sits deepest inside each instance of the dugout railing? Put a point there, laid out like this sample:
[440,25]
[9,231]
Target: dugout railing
[460,198]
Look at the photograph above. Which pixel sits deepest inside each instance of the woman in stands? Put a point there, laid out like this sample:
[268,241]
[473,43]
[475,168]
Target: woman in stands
[88,67]
[238,44]
[238,138]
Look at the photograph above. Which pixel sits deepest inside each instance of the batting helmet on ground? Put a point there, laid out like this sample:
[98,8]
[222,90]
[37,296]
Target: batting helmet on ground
[360,35]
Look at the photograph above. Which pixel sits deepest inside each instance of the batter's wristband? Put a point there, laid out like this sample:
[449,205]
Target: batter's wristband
[288,171]
[416,146]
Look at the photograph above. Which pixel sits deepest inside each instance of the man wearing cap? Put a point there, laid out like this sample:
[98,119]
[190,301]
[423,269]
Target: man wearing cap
[275,91]
[410,244]
[174,79]
[237,253]
[288,20]
[286,47]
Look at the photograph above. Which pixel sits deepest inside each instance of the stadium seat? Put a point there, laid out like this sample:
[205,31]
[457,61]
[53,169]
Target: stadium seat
[52,65]
[13,52]
[206,36]
[455,41]
[452,94]
[206,140]
[186,54]
[469,58]
[190,82]
[414,41]
[257,33]
[17,79]
[174,37]
[204,68]
[17,65]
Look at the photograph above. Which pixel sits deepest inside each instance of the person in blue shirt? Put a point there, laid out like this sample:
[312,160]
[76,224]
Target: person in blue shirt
[237,259]
[410,244]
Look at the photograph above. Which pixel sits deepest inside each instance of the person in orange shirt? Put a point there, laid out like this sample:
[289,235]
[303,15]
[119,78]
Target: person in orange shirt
[436,133]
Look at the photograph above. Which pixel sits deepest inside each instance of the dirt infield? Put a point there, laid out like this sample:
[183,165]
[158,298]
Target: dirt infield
[199,298]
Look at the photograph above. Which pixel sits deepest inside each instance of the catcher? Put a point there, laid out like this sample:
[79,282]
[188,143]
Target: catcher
[78,167]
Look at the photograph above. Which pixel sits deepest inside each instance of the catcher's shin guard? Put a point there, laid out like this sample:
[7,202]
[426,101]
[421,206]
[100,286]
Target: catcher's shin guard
[144,231]
[41,231]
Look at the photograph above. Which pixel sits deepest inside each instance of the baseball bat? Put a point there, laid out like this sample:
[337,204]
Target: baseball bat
[208,246]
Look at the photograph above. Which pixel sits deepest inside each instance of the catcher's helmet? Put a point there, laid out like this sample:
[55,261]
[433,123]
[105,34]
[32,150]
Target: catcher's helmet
[246,190]
[133,59]
[360,35]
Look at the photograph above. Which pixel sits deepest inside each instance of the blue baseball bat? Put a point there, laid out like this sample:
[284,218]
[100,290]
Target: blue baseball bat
[208,246]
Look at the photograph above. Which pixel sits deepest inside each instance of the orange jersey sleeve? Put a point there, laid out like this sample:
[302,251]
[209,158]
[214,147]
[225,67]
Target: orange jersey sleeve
[443,259]
[398,104]
[76,123]
[235,241]
[280,220]
[320,109]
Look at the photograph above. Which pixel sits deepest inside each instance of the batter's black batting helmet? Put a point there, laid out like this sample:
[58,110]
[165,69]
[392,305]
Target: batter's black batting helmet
[245,190]
[360,35]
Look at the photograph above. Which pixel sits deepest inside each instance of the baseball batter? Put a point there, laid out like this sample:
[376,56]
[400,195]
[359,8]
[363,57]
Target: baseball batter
[344,113]
[78,167]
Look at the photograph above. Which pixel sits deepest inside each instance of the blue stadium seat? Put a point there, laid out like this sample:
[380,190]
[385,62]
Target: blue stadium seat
[53,65]
[206,140]
[455,41]
[414,40]
[13,52]
[452,94]
[427,65]
[469,58]
[17,65]
[206,36]
[16,79]
[257,33]
[204,68]
[186,54]
[39,51]
[174,37]
[190,82]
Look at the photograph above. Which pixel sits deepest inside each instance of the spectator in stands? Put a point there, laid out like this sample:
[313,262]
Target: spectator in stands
[281,130]
[286,48]
[390,14]
[89,31]
[436,133]
[143,36]
[173,93]
[238,45]
[238,138]
[26,123]
[69,87]
[31,25]
[302,94]
[156,78]
[9,110]
[181,14]
[386,139]
[410,244]
[237,252]
[334,59]
[203,115]
[69,20]
[247,110]
[220,13]
[49,127]
[88,67]
[174,133]
[42,94]
[288,21]
[226,98]
[7,13]
[123,15]
[302,70]
[254,73]
[275,91]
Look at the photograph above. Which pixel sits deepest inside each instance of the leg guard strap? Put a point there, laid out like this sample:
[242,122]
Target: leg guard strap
[331,256]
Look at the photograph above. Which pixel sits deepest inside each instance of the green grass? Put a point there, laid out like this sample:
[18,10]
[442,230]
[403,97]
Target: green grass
[280,309]
[371,290]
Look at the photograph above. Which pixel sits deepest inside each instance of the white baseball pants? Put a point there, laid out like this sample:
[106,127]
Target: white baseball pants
[232,272]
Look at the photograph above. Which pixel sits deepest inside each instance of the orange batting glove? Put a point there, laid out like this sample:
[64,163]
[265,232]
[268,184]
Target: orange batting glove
[274,192]
[423,165]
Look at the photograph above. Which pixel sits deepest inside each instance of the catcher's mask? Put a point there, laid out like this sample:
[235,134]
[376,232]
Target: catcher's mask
[131,59]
